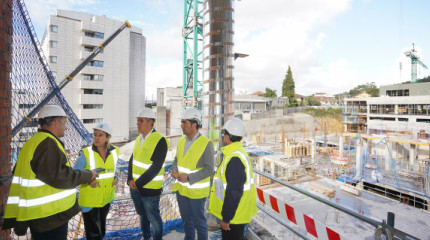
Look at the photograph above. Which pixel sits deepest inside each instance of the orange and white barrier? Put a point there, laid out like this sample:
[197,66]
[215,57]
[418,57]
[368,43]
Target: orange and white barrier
[305,222]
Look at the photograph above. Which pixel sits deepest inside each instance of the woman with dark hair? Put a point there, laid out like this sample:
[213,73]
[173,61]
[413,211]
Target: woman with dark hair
[95,197]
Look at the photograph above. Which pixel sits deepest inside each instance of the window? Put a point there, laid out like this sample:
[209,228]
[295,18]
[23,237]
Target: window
[93,77]
[88,49]
[93,106]
[92,120]
[95,63]
[54,28]
[53,44]
[53,59]
[95,35]
[397,93]
[421,120]
[93,91]
[23,105]
[403,119]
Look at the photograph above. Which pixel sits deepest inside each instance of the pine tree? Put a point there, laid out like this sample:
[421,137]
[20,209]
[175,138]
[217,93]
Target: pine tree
[288,88]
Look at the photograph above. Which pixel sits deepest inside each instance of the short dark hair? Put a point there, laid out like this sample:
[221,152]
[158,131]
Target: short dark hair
[46,121]
[196,122]
[153,121]
[232,137]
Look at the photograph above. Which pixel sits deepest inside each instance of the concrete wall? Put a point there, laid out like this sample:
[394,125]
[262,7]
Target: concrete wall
[5,105]
[415,89]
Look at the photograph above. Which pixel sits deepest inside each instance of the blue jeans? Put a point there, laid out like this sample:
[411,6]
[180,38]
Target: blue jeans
[148,209]
[59,233]
[193,215]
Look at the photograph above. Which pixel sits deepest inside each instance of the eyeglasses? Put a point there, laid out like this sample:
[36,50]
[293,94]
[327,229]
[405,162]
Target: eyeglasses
[223,131]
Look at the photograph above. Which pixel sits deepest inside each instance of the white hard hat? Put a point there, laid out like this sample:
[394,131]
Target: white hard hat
[51,111]
[105,127]
[192,114]
[235,127]
[146,113]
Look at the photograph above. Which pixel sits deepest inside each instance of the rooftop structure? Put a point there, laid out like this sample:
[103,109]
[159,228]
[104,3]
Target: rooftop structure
[98,93]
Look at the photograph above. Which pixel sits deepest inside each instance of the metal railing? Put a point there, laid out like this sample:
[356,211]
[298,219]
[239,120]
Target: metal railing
[384,227]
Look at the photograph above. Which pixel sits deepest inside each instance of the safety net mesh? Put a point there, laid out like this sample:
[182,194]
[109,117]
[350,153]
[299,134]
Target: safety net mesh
[32,81]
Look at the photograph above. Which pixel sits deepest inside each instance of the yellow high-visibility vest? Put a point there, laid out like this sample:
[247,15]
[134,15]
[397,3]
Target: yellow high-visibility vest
[188,164]
[29,198]
[99,196]
[142,159]
[247,206]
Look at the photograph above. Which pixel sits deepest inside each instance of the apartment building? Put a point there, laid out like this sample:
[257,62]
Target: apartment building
[111,87]
[402,109]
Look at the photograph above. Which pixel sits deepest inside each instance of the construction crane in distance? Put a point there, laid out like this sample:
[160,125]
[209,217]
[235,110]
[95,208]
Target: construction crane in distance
[415,59]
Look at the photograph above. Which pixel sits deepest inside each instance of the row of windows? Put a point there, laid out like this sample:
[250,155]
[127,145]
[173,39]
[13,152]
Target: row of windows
[414,109]
[95,63]
[420,120]
[95,35]
[93,77]
[92,120]
[93,106]
[402,109]
[93,91]
[397,93]
[382,109]
[54,29]
[26,105]
[91,49]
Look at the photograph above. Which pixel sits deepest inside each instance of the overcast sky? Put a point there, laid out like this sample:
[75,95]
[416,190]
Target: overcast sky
[331,46]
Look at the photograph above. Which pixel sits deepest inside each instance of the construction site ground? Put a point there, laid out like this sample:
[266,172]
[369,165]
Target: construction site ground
[407,218]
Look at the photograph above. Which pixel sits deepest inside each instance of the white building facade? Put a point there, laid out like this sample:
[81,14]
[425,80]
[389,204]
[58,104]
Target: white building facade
[111,88]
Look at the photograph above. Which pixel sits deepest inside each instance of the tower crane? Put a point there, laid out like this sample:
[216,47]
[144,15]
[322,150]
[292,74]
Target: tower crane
[415,59]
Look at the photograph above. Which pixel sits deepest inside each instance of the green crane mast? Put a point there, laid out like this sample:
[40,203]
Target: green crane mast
[192,34]
[415,59]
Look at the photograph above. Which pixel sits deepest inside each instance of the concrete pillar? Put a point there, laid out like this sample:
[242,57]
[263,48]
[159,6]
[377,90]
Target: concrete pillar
[412,154]
[272,168]
[313,151]
[359,147]
[393,149]
[340,146]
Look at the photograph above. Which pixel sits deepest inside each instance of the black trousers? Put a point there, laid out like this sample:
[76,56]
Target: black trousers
[59,233]
[235,232]
[95,222]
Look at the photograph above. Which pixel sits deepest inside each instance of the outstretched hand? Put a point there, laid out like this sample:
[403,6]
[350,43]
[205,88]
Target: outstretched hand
[94,184]
[225,226]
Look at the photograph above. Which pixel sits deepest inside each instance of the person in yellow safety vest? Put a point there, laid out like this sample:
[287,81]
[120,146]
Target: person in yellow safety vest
[193,166]
[146,174]
[233,194]
[95,198]
[42,195]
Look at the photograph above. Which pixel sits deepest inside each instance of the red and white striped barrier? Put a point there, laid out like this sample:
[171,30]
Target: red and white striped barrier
[313,227]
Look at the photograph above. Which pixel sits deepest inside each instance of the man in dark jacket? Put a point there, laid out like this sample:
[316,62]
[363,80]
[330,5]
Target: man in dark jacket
[42,195]
[146,174]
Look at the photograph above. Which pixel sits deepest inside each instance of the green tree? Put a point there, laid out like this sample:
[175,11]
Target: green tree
[370,88]
[288,88]
[312,101]
[269,93]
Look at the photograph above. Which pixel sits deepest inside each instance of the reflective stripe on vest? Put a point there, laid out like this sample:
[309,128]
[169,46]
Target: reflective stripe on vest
[106,192]
[30,198]
[247,207]
[249,180]
[142,154]
[187,164]
[27,182]
[93,163]
[40,201]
